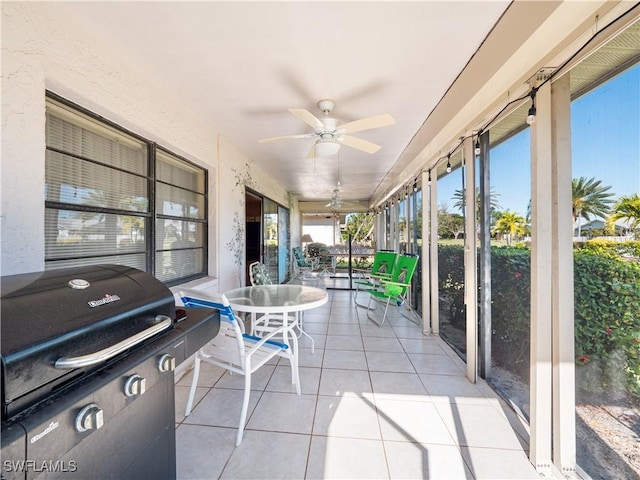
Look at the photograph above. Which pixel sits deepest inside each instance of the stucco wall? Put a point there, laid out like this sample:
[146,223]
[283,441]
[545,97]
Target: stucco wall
[42,49]
[236,173]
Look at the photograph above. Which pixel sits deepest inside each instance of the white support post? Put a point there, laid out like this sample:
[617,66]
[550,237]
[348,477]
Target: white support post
[564,406]
[541,282]
[433,254]
[471,260]
[424,253]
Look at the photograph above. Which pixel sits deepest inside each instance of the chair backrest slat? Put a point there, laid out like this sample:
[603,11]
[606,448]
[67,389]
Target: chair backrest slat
[229,342]
[404,270]
[383,262]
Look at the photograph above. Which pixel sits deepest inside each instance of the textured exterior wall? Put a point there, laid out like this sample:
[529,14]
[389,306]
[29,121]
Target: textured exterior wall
[43,49]
[236,173]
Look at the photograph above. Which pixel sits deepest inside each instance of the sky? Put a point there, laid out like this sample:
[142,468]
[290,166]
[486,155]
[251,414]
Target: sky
[605,144]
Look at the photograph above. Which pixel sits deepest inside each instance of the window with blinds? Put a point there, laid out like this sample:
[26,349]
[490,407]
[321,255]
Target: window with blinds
[99,182]
[180,218]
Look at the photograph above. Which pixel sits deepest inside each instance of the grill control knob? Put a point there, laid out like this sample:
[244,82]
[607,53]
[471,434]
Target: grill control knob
[89,418]
[167,363]
[135,385]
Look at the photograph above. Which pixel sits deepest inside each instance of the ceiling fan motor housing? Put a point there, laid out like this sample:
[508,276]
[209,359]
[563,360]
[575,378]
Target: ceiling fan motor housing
[326,106]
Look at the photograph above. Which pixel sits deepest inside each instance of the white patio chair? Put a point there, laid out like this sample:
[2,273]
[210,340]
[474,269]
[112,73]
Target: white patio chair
[234,350]
[259,274]
[302,263]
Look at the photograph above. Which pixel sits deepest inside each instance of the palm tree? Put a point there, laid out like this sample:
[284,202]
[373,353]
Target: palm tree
[626,208]
[512,224]
[458,196]
[589,198]
[360,226]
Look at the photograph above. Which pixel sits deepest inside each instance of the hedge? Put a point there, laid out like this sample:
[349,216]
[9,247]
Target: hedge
[607,311]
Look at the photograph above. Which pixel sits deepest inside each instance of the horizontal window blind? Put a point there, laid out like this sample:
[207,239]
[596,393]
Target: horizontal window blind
[181,212]
[99,180]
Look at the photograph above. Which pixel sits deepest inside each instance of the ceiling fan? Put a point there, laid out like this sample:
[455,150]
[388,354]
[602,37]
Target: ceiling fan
[330,133]
[336,201]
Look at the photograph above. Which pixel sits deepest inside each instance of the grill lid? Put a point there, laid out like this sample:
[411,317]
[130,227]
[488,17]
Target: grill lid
[50,316]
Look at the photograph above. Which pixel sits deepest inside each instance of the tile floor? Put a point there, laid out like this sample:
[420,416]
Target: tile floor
[376,403]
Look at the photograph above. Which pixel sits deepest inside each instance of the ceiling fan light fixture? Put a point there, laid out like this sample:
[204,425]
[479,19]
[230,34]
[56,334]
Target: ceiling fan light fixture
[326,147]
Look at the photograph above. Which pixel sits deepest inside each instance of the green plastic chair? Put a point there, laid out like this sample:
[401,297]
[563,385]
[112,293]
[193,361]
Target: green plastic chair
[394,291]
[382,268]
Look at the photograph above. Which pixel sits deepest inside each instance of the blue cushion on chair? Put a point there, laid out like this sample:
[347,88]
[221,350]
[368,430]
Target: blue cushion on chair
[273,343]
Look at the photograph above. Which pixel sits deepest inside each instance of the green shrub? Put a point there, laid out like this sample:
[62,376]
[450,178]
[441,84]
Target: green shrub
[451,283]
[610,249]
[607,316]
[607,310]
[317,249]
[511,308]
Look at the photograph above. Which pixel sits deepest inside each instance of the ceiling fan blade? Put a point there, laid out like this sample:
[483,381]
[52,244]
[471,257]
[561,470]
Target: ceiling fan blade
[307,117]
[368,123]
[359,144]
[287,137]
[311,154]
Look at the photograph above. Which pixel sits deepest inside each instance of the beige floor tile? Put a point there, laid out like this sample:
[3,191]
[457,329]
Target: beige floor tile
[497,464]
[389,362]
[346,458]
[268,455]
[382,344]
[182,395]
[432,461]
[343,311]
[398,386]
[478,426]
[344,359]
[344,382]
[408,331]
[453,388]
[416,422]
[209,375]
[259,379]
[221,407]
[344,342]
[307,358]
[371,330]
[437,364]
[283,412]
[344,329]
[202,452]
[313,328]
[344,320]
[316,317]
[318,341]
[346,416]
[281,380]
[426,344]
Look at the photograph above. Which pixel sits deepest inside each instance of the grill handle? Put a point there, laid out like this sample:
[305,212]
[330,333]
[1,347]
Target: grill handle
[164,322]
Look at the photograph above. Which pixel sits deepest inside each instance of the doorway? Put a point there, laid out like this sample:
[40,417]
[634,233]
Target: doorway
[267,236]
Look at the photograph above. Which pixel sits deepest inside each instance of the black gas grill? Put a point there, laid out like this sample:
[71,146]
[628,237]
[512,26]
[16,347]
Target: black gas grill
[87,372]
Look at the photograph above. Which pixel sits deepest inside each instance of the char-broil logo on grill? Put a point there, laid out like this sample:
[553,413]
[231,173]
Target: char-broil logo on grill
[104,300]
[52,426]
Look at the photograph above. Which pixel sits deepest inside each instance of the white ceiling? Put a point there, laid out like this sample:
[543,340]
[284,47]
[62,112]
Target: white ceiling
[243,64]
